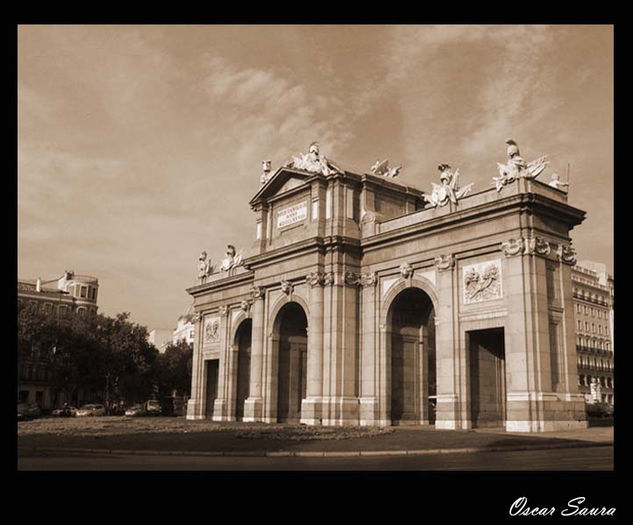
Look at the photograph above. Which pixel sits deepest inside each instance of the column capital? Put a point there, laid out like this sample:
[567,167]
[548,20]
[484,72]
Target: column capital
[444,262]
[257,292]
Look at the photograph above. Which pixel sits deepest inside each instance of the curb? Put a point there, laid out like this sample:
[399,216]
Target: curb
[329,453]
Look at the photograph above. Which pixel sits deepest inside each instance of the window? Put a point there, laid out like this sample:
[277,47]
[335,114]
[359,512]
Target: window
[84,291]
[586,326]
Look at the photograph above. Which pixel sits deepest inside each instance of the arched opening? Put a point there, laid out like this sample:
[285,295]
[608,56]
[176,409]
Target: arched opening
[292,346]
[412,361]
[243,345]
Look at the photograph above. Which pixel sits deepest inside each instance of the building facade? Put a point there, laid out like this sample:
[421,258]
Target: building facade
[593,292]
[364,301]
[68,294]
[185,328]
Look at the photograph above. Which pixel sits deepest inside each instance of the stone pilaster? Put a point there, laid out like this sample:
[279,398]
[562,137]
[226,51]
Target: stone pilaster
[195,405]
[311,406]
[253,405]
[447,414]
[223,402]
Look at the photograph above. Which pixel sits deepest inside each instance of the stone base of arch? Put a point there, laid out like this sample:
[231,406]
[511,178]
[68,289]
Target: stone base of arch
[253,410]
[194,410]
[222,411]
[340,411]
[312,411]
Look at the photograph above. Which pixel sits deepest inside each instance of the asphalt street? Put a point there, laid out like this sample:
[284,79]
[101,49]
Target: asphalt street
[590,458]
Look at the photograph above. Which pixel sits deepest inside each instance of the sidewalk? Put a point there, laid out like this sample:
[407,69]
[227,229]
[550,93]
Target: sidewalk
[290,441]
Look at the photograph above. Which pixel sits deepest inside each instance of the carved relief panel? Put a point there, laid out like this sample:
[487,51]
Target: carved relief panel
[482,282]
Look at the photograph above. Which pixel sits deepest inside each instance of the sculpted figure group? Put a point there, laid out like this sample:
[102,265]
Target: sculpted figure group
[206,267]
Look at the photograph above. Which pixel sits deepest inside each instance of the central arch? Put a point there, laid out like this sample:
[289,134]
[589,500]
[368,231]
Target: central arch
[291,341]
[411,358]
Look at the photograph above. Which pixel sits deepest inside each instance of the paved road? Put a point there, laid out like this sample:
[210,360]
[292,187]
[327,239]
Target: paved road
[593,458]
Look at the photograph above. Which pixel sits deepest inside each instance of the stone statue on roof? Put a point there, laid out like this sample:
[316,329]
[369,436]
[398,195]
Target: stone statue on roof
[265,172]
[232,259]
[449,189]
[516,167]
[205,267]
[382,168]
[313,162]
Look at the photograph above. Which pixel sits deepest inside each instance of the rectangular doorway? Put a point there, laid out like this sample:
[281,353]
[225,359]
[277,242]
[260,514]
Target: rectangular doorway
[212,367]
[487,377]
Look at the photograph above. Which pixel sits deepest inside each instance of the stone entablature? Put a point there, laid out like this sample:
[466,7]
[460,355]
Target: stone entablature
[347,255]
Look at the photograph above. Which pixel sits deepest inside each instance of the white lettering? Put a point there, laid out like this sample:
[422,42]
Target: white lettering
[292,214]
[519,508]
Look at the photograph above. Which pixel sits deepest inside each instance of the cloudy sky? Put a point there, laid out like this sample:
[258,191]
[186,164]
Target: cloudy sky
[139,146]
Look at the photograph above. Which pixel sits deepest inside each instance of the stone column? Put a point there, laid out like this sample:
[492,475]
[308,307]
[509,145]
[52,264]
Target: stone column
[311,406]
[195,405]
[253,405]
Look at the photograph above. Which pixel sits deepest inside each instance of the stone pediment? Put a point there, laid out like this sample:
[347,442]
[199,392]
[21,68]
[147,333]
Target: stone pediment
[283,180]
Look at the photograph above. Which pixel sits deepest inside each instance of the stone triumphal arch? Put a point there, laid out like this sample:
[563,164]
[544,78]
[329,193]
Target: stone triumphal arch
[365,301]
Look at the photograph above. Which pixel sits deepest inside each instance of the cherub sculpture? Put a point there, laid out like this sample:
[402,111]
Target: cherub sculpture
[449,189]
[382,168]
[516,167]
[557,183]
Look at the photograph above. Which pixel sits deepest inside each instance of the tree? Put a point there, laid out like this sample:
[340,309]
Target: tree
[109,357]
[173,371]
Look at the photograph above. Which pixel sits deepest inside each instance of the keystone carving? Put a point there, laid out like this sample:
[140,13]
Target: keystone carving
[406,270]
[287,287]
[245,305]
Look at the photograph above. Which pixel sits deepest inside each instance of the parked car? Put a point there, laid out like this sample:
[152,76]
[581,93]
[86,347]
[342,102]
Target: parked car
[91,410]
[65,411]
[153,408]
[28,411]
[136,410]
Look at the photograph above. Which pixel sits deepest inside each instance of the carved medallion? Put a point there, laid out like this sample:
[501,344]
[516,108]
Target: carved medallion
[351,278]
[328,279]
[566,254]
[513,247]
[315,279]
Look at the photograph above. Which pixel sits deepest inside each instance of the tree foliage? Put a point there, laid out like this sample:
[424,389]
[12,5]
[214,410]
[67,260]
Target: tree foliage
[109,357]
[173,370]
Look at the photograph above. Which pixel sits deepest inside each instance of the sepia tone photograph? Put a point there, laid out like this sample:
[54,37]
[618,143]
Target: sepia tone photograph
[316,248]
